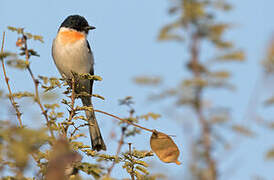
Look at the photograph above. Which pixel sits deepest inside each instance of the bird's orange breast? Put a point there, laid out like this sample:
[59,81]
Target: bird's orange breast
[70,36]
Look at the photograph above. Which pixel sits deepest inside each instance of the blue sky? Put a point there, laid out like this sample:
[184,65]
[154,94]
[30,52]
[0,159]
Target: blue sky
[125,46]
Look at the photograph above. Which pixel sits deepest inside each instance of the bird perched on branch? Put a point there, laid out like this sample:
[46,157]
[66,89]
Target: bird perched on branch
[71,53]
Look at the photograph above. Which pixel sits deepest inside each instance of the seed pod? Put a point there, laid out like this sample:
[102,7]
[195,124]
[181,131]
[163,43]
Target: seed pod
[164,147]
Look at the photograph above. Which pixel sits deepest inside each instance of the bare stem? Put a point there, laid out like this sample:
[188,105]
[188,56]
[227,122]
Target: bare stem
[124,120]
[77,128]
[72,111]
[14,104]
[206,132]
[132,166]
[36,83]
[121,142]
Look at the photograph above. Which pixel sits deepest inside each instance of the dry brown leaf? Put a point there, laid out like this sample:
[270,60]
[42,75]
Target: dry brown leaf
[19,42]
[164,147]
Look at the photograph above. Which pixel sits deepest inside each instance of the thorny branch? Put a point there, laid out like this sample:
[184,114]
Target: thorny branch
[206,132]
[72,97]
[14,104]
[132,167]
[121,142]
[124,120]
[77,128]
[36,83]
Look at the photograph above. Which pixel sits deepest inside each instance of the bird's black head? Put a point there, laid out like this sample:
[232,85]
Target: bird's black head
[78,23]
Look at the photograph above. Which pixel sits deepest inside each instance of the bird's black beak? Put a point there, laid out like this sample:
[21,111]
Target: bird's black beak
[90,28]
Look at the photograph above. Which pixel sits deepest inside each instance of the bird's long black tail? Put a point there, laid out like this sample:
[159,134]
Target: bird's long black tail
[97,141]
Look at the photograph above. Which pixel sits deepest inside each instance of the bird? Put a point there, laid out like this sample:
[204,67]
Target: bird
[71,52]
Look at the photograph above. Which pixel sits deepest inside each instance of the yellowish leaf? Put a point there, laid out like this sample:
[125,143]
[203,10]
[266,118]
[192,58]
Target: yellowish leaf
[164,147]
[167,32]
[270,154]
[217,30]
[98,96]
[233,56]
[147,80]
[220,74]
[242,130]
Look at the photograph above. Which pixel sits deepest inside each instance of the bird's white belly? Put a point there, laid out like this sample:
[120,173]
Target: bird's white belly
[72,57]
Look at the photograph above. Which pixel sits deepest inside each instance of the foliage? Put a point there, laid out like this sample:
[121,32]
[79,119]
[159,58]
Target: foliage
[268,72]
[57,151]
[196,22]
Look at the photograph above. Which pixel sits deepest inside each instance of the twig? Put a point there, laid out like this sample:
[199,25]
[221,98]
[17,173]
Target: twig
[36,83]
[11,97]
[132,166]
[77,128]
[14,104]
[124,120]
[72,111]
[121,142]
[198,107]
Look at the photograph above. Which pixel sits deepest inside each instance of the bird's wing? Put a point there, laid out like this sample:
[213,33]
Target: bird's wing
[89,50]
[91,69]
